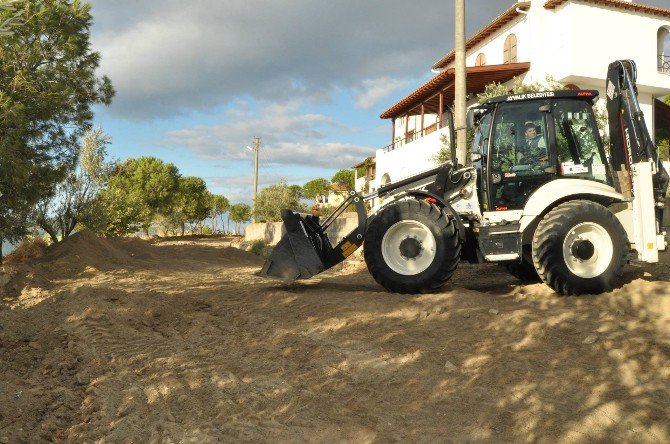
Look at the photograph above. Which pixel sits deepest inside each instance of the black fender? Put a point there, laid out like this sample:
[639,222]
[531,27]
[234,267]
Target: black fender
[420,194]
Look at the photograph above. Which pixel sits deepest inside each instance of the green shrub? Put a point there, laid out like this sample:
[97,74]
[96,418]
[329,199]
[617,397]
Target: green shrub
[257,247]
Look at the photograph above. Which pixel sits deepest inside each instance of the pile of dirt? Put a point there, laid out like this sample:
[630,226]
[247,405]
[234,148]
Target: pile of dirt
[83,252]
[179,342]
[86,249]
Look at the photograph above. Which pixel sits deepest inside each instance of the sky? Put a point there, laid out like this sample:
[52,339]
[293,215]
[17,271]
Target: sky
[196,81]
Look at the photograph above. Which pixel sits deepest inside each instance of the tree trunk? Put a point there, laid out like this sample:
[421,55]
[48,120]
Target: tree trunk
[183,228]
[146,231]
[52,234]
[70,228]
[1,242]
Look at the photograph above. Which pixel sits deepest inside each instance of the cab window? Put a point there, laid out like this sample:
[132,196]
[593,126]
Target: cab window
[480,143]
[519,140]
[578,142]
[519,159]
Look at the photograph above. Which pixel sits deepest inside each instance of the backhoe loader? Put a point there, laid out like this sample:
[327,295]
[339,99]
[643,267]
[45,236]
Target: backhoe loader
[556,207]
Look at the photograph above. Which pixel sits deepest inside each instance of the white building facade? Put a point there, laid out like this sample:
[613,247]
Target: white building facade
[572,41]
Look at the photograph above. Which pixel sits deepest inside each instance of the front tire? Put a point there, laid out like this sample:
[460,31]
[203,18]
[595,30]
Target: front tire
[580,247]
[412,247]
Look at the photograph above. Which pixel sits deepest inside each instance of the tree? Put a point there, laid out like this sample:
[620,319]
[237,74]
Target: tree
[70,202]
[47,87]
[137,191]
[313,188]
[270,200]
[194,200]
[344,178]
[240,213]
[219,205]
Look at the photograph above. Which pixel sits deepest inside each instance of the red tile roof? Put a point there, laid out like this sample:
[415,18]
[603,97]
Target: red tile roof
[478,77]
[620,4]
[497,23]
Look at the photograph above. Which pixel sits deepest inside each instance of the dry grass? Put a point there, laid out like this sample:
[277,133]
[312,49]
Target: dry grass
[29,248]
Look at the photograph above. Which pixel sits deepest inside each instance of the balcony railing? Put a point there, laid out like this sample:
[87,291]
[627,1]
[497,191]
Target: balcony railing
[412,136]
[664,64]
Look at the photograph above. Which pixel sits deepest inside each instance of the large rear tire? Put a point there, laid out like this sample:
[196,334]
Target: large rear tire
[412,247]
[580,247]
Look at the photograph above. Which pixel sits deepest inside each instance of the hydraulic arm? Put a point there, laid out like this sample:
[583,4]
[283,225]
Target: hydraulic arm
[630,142]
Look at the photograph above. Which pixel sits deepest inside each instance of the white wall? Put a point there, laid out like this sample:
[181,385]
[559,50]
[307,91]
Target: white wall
[493,48]
[409,159]
[579,40]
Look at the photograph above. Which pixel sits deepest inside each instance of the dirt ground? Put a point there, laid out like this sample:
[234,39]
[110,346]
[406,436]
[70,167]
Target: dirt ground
[178,341]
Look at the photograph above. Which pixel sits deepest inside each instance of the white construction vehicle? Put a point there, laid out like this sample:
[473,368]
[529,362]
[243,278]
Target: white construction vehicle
[542,197]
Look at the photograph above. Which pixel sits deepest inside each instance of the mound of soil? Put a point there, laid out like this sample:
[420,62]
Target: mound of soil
[119,340]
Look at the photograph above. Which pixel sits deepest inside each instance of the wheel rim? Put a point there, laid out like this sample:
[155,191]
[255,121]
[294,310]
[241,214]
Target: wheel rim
[588,250]
[408,247]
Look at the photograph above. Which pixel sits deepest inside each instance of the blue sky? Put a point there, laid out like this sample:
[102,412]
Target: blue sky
[196,81]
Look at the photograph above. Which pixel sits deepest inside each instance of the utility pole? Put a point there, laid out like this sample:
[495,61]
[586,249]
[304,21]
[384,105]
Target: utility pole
[257,148]
[460,87]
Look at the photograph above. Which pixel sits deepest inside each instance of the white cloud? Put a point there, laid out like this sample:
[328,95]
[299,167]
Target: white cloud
[289,138]
[170,56]
[375,90]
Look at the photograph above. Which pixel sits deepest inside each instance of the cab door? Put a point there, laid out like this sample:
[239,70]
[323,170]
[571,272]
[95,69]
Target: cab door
[520,160]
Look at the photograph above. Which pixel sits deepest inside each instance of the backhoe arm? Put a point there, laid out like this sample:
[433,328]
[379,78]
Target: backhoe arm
[630,142]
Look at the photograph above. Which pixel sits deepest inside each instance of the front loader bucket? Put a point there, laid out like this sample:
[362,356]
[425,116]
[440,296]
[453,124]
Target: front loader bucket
[295,256]
[305,250]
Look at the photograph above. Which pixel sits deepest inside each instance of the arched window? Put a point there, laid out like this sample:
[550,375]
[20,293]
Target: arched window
[509,51]
[663,49]
[481,59]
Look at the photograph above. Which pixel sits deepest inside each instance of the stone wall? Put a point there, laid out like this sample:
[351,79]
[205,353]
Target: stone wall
[272,232]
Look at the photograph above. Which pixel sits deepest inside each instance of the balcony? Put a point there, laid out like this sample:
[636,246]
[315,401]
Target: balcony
[399,161]
[664,64]
[416,135]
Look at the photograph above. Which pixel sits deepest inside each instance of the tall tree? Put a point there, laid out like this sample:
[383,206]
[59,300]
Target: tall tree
[137,191]
[58,213]
[240,213]
[270,200]
[47,87]
[219,205]
[344,178]
[313,188]
[195,202]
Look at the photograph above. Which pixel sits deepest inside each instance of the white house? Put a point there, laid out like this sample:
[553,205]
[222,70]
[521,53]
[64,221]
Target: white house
[572,41]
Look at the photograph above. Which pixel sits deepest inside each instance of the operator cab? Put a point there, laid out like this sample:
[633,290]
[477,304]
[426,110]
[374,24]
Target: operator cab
[523,141]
